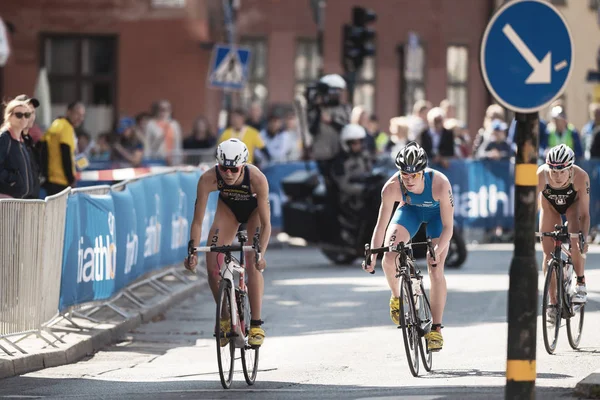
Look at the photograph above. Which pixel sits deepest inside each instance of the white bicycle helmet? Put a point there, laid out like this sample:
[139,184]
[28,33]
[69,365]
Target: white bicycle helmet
[351,132]
[560,157]
[411,158]
[232,153]
[334,81]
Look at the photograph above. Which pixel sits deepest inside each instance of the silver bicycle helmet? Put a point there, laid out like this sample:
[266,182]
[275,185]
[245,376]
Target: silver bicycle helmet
[560,157]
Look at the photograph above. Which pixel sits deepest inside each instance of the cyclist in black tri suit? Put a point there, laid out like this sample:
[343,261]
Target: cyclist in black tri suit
[565,190]
[243,198]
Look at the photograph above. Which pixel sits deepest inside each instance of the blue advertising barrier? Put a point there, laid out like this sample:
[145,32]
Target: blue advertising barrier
[90,256]
[110,240]
[483,191]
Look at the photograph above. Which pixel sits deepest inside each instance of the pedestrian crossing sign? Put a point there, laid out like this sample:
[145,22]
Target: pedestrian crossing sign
[229,67]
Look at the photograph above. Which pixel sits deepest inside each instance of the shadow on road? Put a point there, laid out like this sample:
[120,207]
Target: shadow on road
[47,388]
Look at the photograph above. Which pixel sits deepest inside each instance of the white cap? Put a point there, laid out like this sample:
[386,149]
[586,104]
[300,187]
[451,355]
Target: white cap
[334,81]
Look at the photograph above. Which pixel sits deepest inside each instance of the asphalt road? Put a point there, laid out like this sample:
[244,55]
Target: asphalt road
[329,336]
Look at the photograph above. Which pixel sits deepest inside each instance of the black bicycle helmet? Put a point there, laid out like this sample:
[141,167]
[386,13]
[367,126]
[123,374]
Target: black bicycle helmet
[411,158]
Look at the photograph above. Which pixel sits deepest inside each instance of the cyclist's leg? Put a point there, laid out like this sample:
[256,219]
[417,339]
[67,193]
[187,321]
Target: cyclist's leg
[255,278]
[438,292]
[548,218]
[404,224]
[572,215]
[222,232]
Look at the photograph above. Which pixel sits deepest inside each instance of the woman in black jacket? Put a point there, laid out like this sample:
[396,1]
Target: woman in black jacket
[17,175]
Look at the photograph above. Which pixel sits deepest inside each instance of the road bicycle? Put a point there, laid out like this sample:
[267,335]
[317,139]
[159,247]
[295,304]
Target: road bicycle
[557,300]
[233,315]
[415,310]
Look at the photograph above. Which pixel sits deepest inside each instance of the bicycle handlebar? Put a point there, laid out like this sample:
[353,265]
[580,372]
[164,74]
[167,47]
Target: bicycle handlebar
[225,249]
[397,248]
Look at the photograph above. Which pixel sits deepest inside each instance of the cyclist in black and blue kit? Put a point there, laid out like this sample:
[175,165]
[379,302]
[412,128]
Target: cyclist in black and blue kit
[565,190]
[243,198]
[424,196]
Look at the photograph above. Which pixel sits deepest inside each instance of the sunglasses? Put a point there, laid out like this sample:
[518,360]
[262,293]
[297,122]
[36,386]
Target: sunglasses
[20,115]
[234,170]
[408,176]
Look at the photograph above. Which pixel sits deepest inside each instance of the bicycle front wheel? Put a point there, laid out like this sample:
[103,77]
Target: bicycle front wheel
[249,353]
[408,323]
[552,306]
[424,313]
[224,325]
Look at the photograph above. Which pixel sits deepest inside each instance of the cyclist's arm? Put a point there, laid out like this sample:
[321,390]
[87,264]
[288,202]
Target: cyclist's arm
[540,186]
[583,191]
[388,198]
[261,186]
[446,199]
[205,184]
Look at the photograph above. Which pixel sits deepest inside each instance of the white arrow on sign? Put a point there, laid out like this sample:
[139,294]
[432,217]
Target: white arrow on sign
[542,70]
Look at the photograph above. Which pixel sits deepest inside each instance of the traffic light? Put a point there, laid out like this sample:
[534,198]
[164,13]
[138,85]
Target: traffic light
[357,39]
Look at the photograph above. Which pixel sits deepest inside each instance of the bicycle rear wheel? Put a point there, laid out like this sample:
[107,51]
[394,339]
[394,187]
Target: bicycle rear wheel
[249,353]
[225,345]
[408,324]
[552,290]
[424,313]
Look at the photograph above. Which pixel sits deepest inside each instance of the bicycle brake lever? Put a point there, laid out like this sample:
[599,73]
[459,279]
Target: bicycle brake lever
[368,257]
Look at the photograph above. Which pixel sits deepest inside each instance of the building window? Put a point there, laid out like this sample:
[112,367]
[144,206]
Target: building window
[256,89]
[413,74]
[364,88]
[457,66]
[306,64]
[81,68]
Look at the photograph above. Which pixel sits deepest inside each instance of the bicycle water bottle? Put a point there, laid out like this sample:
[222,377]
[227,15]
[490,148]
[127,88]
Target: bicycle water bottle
[416,289]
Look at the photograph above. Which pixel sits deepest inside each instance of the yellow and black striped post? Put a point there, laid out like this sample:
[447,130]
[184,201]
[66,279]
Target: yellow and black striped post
[522,293]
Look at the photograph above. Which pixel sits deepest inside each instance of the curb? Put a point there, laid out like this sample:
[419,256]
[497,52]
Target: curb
[25,363]
[589,387]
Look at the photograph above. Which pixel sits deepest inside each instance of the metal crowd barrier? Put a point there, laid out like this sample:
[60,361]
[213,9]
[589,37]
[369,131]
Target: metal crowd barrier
[31,233]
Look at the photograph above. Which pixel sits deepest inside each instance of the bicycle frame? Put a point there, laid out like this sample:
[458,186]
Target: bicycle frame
[231,265]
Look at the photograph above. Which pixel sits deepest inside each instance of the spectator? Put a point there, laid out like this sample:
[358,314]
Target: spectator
[17,176]
[31,143]
[58,150]
[101,149]
[449,108]
[84,143]
[326,143]
[359,116]
[128,149]
[201,136]
[163,135]
[437,141]
[399,131]
[33,130]
[461,137]
[279,143]
[498,148]
[590,131]
[380,138]
[493,112]
[559,131]
[141,125]
[418,120]
[292,131]
[247,134]
[255,119]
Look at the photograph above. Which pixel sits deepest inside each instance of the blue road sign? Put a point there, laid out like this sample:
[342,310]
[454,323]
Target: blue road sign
[229,67]
[526,55]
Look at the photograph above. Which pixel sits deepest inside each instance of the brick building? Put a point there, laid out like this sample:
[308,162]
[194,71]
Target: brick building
[120,55]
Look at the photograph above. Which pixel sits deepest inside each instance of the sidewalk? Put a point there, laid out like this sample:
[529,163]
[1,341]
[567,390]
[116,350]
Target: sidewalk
[109,328]
[589,387]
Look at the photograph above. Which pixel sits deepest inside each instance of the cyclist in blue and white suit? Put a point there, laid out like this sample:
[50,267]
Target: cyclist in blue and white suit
[424,196]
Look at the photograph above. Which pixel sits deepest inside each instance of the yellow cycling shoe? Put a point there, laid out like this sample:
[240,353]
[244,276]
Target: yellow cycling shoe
[395,310]
[225,328]
[256,337]
[435,341]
